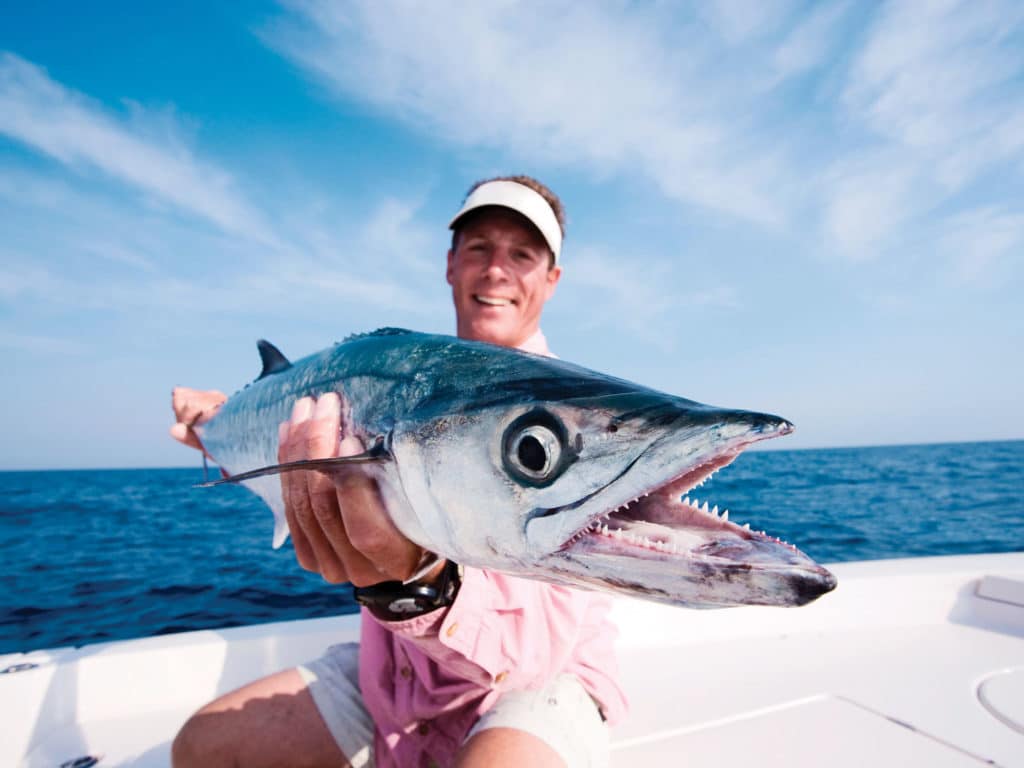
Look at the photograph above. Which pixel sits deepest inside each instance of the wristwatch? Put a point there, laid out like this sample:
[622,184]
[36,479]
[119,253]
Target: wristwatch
[395,600]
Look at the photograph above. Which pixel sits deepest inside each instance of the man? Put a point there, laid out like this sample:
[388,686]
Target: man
[503,671]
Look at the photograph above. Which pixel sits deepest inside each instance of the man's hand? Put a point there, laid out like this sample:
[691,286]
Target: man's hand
[192,407]
[339,525]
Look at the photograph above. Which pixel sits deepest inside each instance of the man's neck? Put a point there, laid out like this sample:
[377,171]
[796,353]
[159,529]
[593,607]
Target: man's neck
[536,344]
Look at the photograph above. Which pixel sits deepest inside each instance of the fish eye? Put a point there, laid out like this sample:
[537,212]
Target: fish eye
[536,451]
[534,448]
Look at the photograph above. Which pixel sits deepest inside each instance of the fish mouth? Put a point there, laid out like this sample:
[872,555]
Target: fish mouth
[651,519]
[668,544]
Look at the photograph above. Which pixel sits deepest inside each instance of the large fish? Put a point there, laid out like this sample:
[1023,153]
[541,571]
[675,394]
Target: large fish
[511,461]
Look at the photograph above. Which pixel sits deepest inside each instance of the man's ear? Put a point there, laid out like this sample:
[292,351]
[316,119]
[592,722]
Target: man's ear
[451,266]
[553,276]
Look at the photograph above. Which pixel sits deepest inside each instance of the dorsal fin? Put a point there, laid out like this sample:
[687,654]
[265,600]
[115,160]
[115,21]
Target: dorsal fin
[378,332]
[273,360]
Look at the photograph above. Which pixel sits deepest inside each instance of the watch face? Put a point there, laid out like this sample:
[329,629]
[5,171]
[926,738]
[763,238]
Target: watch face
[407,605]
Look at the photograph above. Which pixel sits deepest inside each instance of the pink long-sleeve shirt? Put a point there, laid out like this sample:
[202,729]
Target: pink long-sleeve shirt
[426,680]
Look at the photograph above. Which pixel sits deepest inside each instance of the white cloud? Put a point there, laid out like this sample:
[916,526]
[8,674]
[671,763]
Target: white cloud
[78,250]
[808,44]
[27,342]
[87,239]
[739,20]
[683,99]
[19,279]
[869,200]
[935,93]
[977,241]
[43,114]
[599,286]
[393,235]
[936,79]
[577,85]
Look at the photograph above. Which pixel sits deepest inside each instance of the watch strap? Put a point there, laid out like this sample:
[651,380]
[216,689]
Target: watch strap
[396,600]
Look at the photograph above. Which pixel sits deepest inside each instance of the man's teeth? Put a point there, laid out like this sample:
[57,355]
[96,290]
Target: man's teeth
[493,301]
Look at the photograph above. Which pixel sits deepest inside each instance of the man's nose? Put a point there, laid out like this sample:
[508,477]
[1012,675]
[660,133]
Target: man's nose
[498,262]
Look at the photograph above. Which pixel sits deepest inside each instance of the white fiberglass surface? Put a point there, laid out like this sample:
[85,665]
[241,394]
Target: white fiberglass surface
[890,669]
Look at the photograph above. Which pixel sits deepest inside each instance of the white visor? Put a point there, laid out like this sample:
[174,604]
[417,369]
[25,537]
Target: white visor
[521,199]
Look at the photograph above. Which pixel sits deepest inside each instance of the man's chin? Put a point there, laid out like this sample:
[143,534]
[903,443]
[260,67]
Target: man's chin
[495,331]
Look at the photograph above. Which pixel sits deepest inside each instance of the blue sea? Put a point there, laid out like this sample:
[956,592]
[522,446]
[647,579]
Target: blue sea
[100,555]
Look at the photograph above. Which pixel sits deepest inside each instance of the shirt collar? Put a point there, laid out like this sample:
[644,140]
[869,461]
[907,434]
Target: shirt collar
[536,344]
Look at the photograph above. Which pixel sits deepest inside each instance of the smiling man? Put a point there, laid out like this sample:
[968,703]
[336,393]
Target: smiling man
[477,668]
[494,267]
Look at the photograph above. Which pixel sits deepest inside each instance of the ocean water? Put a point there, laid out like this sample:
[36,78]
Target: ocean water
[100,555]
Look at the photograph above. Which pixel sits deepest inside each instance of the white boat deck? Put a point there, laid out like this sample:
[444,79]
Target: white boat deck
[908,663]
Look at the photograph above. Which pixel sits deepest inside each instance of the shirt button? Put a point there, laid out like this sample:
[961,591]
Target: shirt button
[452,629]
[405,672]
[423,729]
[500,677]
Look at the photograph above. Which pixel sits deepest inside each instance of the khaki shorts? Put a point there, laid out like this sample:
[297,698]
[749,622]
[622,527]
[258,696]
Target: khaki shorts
[561,714]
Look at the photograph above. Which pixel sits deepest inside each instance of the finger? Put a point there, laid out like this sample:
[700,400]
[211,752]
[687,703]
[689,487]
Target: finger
[195,406]
[303,550]
[183,434]
[302,411]
[384,552]
[321,434]
[308,497]
[298,510]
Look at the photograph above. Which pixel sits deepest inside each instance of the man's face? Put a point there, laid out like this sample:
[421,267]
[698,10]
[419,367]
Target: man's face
[500,278]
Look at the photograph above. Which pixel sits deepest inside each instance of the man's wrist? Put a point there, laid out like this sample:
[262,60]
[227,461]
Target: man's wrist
[397,601]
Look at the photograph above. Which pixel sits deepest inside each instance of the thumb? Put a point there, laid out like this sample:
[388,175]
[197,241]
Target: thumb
[183,434]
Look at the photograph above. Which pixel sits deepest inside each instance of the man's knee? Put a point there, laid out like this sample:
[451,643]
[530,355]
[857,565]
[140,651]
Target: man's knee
[267,723]
[201,743]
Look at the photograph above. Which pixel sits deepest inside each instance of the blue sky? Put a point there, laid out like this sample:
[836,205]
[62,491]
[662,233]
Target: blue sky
[811,209]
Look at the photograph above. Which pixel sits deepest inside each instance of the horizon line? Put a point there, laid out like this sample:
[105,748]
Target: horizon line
[753,449]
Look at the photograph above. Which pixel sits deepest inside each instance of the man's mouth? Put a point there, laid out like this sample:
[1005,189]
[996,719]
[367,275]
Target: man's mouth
[493,301]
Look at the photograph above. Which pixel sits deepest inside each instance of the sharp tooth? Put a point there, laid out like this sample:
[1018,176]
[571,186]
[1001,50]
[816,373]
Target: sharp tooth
[725,515]
[704,509]
[714,510]
[746,526]
[686,501]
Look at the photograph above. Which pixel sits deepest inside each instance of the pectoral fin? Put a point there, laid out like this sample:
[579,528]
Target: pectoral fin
[378,453]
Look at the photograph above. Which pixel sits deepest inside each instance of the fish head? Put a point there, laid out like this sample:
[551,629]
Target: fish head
[592,490]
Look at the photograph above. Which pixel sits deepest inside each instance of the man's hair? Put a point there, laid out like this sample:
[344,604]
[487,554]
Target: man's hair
[526,181]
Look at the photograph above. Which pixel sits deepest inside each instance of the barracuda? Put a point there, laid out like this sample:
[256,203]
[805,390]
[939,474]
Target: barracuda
[506,460]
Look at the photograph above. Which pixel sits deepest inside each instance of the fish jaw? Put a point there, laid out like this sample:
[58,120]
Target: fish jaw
[654,541]
[672,550]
